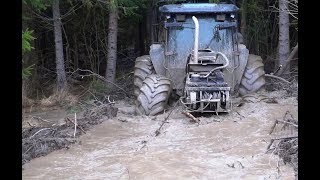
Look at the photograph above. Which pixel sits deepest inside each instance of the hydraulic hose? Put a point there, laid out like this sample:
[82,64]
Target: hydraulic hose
[220,67]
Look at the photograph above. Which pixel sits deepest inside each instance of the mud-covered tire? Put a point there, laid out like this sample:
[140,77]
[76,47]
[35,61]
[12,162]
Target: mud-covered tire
[253,79]
[142,68]
[154,94]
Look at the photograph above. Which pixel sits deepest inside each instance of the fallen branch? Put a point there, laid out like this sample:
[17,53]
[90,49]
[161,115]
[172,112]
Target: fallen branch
[28,149]
[75,124]
[49,139]
[273,126]
[277,77]
[100,77]
[40,119]
[40,131]
[271,142]
[194,119]
[285,137]
[30,124]
[239,114]
[285,145]
[287,122]
[280,138]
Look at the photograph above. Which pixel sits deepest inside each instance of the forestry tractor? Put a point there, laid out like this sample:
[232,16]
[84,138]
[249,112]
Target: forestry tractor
[198,55]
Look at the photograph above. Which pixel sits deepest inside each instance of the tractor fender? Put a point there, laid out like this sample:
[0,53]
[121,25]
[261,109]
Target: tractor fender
[157,58]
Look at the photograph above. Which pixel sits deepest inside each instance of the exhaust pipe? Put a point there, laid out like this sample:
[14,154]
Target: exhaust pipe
[196,40]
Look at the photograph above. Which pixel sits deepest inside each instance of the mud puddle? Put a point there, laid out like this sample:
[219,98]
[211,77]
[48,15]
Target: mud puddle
[125,147]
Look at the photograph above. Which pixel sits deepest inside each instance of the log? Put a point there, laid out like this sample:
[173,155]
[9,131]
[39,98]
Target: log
[194,119]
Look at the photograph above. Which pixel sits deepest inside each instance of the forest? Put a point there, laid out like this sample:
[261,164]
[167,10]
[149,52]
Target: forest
[80,57]
[105,37]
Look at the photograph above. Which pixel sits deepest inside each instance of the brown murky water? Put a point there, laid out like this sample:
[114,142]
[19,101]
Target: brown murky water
[231,149]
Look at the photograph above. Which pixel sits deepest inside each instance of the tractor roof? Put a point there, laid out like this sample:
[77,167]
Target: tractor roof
[199,8]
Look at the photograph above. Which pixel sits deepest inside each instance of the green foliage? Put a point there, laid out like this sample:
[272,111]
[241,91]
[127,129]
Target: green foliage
[26,39]
[130,7]
[25,18]
[127,7]
[26,47]
[38,5]
[26,72]
[113,4]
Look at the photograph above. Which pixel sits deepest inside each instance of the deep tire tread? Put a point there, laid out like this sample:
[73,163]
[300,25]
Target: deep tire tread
[143,67]
[154,95]
[253,79]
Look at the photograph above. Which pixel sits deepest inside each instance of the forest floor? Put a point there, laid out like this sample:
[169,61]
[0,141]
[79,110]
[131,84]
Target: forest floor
[125,146]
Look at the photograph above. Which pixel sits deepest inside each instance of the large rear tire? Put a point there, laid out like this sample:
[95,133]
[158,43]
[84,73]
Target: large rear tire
[142,68]
[154,94]
[253,79]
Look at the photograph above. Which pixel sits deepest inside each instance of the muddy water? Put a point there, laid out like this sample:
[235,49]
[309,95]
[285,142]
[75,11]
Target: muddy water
[231,149]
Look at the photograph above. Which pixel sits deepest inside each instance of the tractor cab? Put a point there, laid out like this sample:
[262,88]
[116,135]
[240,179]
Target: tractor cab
[196,55]
[176,35]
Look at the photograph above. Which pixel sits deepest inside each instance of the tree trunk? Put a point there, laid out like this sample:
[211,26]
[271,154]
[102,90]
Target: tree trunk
[149,23]
[141,38]
[112,45]
[284,46]
[137,41]
[152,22]
[243,20]
[61,74]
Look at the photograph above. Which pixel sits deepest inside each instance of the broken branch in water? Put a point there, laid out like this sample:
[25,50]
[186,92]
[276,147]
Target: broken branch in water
[286,122]
[157,132]
[286,145]
[273,126]
[239,114]
[194,119]
[271,142]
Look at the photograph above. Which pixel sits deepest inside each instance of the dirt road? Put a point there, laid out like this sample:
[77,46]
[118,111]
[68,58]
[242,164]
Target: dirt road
[125,147]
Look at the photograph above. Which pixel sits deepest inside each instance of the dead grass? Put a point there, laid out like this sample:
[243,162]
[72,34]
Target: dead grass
[64,98]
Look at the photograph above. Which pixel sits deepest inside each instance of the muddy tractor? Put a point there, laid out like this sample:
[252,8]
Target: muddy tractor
[199,56]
